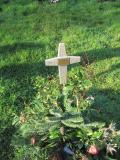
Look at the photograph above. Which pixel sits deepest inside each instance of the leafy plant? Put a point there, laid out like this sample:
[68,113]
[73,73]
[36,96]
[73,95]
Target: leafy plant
[55,128]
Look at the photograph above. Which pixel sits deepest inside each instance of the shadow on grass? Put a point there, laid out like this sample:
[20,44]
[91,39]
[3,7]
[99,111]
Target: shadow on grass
[101,54]
[12,48]
[19,71]
[6,150]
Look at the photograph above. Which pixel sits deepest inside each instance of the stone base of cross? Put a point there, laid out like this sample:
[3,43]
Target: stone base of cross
[62,61]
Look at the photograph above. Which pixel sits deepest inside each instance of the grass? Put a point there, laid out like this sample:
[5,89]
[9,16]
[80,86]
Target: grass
[30,33]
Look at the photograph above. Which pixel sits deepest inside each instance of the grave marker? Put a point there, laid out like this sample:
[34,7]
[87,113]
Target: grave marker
[62,61]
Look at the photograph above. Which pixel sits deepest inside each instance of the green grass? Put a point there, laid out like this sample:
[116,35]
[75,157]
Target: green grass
[30,32]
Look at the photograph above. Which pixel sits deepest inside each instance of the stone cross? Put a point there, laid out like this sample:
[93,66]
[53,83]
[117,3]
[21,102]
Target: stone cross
[62,61]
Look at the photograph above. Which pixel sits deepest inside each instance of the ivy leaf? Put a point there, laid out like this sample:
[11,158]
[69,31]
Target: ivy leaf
[95,125]
[56,112]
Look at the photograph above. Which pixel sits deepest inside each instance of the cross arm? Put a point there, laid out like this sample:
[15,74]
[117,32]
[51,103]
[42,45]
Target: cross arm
[51,62]
[74,59]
